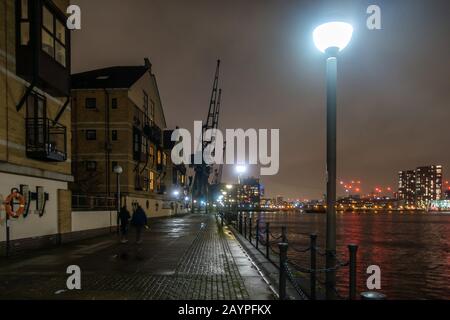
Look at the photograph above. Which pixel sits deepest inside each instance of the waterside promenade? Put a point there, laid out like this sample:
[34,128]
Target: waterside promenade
[186,257]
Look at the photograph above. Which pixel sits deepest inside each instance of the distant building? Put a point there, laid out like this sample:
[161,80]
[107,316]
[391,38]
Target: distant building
[249,193]
[428,185]
[279,200]
[407,187]
[118,119]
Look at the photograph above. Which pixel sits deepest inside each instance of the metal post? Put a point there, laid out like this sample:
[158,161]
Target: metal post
[221,218]
[250,228]
[284,234]
[257,233]
[245,227]
[352,249]
[118,203]
[331,174]
[267,240]
[240,222]
[283,247]
[313,239]
[8,236]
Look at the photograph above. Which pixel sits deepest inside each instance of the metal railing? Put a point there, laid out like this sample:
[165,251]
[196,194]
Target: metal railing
[93,203]
[263,239]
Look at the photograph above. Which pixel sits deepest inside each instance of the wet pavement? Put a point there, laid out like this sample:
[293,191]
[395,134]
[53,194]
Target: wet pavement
[181,258]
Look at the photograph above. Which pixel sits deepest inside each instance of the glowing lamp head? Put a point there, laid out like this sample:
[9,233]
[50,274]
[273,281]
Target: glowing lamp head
[118,169]
[241,169]
[333,35]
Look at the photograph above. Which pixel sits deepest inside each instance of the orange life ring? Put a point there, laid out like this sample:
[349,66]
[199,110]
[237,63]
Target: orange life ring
[15,195]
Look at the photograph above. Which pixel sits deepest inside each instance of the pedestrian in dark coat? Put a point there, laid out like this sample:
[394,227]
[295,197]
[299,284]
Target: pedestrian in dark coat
[139,221]
[124,219]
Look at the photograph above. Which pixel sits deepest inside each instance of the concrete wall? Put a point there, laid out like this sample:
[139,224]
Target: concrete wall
[32,225]
[89,220]
[155,208]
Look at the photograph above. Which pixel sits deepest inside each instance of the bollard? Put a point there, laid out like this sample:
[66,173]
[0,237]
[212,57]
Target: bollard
[284,235]
[313,239]
[250,228]
[283,260]
[222,218]
[267,241]
[240,222]
[372,295]
[245,227]
[352,249]
[257,233]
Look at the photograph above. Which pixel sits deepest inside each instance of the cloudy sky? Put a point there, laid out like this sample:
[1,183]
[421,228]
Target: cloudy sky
[394,83]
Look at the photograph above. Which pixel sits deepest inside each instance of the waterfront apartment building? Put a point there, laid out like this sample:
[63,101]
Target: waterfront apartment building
[421,186]
[35,122]
[250,193]
[407,187]
[428,185]
[118,120]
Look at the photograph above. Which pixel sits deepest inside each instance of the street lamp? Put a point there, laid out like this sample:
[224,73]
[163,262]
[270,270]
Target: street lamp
[331,38]
[118,171]
[240,171]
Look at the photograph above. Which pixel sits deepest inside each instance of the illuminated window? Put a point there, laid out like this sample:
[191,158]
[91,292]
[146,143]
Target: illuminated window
[164,159]
[152,153]
[159,158]
[152,181]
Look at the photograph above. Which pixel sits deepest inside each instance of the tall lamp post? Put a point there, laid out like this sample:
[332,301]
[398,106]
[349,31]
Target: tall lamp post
[118,171]
[330,38]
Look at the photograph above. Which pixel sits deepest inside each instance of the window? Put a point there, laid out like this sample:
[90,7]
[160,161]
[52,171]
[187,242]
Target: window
[146,105]
[91,103]
[91,135]
[53,36]
[152,111]
[152,153]
[114,103]
[159,160]
[24,23]
[113,165]
[164,159]
[91,165]
[152,181]
[114,135]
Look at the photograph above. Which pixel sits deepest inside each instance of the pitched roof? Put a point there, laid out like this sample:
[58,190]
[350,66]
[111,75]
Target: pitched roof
[113,77]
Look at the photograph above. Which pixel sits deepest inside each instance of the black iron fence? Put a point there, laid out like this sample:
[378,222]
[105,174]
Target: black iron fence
[265,239]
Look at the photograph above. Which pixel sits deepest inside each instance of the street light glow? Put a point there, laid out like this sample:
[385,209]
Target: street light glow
[241,169]
[333,35]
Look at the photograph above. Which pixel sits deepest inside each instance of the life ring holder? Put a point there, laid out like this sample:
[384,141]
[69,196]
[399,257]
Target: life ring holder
[9,206]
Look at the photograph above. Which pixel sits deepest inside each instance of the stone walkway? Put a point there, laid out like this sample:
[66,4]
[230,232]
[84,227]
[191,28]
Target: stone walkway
[182,258]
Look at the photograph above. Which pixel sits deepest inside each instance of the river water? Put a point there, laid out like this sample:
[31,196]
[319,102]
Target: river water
[412,249]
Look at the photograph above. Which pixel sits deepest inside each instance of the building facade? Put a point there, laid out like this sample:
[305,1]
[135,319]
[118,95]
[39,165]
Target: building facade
[250,193]
[35,122]
[428,185]
[407,187]
[421,186]
[118,120]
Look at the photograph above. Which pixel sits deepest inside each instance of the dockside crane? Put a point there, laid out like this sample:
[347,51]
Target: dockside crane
[202,172]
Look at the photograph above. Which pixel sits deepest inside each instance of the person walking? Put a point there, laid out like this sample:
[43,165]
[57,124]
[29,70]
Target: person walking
[139,221]
[124,218]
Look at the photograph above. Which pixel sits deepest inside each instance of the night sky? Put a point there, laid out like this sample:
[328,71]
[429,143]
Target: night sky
[394,84]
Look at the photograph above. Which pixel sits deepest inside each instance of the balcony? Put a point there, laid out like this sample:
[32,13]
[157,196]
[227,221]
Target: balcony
[46,140]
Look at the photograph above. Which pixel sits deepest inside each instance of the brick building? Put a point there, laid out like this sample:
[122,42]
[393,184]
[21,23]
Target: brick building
[35,120]
[118,119]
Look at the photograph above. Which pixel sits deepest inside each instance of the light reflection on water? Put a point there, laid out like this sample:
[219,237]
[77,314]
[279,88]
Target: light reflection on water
[412,249]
